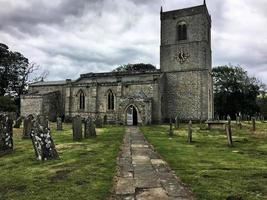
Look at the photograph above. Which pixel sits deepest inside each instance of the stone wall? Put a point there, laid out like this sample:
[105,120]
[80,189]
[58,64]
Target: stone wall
[188,83]
[31,104]
[183,88]
[46,104]
[96,91]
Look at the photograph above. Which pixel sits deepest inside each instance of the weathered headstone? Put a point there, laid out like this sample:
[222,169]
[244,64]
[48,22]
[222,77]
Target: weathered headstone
[43,143]
[27,126]
[59,124]
[177,121]
[262,118]
[189,137]
[89,128]
[6,133]
[105,120]
[98,122]
[43,120]
[239,122]
[171,129]
[253,119]
[229,131]
[77,128]
[240,116]
[18,122]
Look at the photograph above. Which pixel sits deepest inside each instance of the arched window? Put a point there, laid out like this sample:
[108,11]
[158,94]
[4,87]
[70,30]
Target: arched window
[110,100]
[182,31]
[82,100]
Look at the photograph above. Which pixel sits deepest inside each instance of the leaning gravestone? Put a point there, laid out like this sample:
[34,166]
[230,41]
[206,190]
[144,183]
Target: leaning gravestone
[77,128]
[189,137]
[27,126]
[6,133]
[59,124]
[89,128]
[43,143]
[18,122]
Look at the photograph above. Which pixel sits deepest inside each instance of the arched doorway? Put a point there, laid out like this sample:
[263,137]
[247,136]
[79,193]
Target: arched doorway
[131,116]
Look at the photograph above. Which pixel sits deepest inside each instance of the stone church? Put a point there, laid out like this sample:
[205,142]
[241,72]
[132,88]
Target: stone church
[182,86]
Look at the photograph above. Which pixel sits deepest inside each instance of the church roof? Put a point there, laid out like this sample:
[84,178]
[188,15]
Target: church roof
[44,83]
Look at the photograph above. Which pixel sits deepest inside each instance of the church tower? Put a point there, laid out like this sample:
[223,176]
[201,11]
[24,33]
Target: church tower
[185,60]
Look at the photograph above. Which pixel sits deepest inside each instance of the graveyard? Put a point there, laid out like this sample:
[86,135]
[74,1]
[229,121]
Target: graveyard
[211,168]
[84,169]
[87,165]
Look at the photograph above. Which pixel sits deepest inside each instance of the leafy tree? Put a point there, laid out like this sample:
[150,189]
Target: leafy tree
[139,67]
[14,75]
[262,101]
[7,104]
[235,91]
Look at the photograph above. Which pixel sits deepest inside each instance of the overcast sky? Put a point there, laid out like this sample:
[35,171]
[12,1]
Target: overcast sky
[68,37]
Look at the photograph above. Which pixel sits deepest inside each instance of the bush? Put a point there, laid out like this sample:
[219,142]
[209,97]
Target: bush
[7,104]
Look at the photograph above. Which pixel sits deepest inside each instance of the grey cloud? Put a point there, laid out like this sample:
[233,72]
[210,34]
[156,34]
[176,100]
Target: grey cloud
[71,37]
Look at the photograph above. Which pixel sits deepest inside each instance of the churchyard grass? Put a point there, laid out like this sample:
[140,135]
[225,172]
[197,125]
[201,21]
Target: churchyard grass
[209,167]
[85,169]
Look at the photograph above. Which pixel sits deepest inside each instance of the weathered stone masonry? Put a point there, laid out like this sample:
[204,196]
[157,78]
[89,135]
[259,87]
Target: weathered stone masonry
[182,86]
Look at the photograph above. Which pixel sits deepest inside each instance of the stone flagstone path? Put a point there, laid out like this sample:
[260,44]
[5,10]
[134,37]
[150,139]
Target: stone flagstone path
[143,175]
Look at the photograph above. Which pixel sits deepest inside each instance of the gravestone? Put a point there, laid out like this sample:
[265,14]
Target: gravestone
[229,131]
[105,120]
[262,118]
[59,124]
[42,141]
[89,128]
[253,119]
[98,122]
[239,122]
[77,128]
[18,122]
[43,120]
[177,121]
[27,126]
[6,133]
[189,137]
[171,129]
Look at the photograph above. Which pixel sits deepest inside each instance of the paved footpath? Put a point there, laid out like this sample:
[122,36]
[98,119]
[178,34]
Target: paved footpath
[143,175]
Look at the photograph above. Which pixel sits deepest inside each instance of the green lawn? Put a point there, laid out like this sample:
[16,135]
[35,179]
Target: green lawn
[85,169]
[209,167]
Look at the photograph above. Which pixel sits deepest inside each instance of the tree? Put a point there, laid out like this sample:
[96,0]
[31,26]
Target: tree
[262,101]
[14,74]
[139,67]
[7,104]
[235,91]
